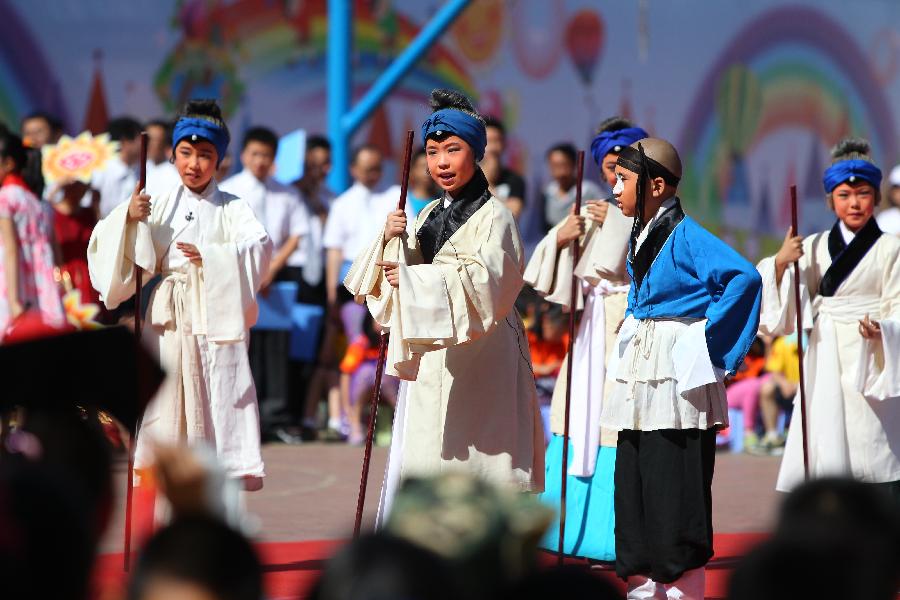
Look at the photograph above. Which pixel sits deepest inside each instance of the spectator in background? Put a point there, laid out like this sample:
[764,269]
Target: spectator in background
[197,558]
[777,393]
[743,390]
[26,243]
[421,186]
[72,225]
[278,208]
[355,218]
[162,175]
[309,259]
[117,179]
[889,217]
[224,169]
[559,193]
[514,192]
[358,377]
[40,128]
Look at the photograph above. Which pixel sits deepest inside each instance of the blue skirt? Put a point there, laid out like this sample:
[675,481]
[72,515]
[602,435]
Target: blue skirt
[590,513]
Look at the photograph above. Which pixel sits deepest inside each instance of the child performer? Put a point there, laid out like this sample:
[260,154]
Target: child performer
[850,287]
[212,254]
[693,311]
[26,244]
[447,294]
[590,517]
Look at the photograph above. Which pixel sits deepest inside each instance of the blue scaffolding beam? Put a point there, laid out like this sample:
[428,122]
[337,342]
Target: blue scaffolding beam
[344,120]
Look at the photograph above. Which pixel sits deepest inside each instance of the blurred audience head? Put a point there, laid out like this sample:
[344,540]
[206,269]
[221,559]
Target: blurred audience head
[561,163]
[46,546]
[317,160]
[12,154]
[488,534]
[258,151]
[836,538]
[366,165]
[496,136]
[197,558]
[159,140]
[126,131]
[40,128]
[573,582]
[383,567]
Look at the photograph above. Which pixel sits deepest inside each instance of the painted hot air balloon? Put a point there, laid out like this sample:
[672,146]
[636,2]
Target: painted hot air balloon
[584,42]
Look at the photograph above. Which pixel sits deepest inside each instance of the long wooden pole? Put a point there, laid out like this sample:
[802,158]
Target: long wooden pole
[382,357]
[138,273]
[799,310]
[573,305]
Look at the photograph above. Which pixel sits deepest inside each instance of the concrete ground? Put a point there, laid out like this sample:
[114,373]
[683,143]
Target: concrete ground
[310,493]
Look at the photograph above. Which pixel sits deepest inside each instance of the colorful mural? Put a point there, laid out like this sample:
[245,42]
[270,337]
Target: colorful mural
[754,94]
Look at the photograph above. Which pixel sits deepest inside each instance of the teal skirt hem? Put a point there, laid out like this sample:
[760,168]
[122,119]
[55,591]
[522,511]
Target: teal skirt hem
[590,513]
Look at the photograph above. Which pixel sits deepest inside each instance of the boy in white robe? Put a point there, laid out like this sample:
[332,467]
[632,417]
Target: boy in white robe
[850,295]
[603,233]
[211,253]
[447,294]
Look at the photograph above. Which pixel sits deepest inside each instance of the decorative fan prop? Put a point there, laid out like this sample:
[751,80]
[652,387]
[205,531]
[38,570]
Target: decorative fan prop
[77,158]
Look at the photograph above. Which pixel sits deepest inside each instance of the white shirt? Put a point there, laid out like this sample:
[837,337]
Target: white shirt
[161,178]
[889,220]
[115,183]
[846,233]
[310,253]
[277,206]
[355,218]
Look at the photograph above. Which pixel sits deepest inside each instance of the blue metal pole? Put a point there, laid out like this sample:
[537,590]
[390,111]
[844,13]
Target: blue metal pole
[340,45]
[402,64]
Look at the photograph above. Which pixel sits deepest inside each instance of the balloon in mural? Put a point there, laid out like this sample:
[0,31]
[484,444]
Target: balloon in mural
[537,35]
[478,30]
[584,41]
[738,107]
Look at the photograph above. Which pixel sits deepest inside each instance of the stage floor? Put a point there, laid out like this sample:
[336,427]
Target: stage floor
[310,494]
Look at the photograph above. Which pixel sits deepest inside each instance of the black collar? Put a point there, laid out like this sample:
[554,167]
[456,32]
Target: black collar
[845,257]
[441,223]
[656,239]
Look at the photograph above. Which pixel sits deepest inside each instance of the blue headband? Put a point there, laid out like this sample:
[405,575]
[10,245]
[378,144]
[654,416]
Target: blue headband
[614,141]
[194,128]
[456,122]
[851,170]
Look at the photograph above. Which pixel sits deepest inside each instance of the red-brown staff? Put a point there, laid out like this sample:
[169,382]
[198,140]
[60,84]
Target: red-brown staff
[138,273]
[382,357]
[573,305]
[799,311]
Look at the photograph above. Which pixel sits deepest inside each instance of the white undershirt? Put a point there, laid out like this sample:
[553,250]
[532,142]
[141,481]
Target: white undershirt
[666,205]
[846,233]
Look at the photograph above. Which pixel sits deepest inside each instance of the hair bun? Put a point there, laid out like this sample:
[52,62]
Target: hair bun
[203,108]
[444,98]
[851,146]
[614,124]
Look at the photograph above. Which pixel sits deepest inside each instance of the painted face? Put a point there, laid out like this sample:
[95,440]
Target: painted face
[625,191]
[854,203]
[451,162]
[258,158]
[609,168]
[196,163]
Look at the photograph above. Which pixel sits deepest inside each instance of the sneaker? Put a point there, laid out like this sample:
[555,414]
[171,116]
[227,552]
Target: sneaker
[770,445]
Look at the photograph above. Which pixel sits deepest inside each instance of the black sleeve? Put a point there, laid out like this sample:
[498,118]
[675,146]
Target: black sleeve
[516,184]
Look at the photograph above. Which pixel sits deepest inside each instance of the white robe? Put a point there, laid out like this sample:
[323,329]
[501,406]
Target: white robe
[852,384]
[604,298]
[197,318]
[468,400]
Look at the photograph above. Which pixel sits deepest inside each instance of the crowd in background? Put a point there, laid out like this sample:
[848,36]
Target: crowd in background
[316,235]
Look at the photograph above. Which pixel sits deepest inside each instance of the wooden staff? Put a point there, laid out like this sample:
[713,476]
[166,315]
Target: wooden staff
[799,310]
[382,357]
[573,305]
[138,272]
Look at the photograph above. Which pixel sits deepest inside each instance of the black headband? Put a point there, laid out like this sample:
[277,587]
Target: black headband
[630,158]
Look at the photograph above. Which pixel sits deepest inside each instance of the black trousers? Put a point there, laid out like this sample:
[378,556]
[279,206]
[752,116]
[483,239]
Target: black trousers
[663,502]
